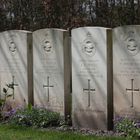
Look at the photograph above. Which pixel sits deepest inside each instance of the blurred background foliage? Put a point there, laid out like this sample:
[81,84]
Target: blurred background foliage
[67,14]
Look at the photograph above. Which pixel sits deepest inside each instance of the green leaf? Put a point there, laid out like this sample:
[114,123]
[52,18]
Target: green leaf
[29,106]
[2,101]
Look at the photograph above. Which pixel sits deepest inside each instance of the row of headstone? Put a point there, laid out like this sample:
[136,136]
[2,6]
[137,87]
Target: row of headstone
[105,72]
[37,67]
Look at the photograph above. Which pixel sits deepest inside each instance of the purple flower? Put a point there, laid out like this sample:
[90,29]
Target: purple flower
[10,113]
[118,119]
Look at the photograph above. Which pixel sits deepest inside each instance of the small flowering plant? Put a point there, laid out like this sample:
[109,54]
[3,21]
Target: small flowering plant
[3,99]
[10,113]
[35,116]
[130,127]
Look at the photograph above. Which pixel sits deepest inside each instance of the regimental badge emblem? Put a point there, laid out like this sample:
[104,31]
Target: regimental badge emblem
[47,44]
[12,45]
[89,45]
[131,44]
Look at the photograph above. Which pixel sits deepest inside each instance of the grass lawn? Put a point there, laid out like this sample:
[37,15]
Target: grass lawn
[8,132]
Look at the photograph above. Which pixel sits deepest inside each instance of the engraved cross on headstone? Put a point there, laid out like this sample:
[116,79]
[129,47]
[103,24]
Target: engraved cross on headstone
[89,90]
[132,90]
[13,86]
[48,87]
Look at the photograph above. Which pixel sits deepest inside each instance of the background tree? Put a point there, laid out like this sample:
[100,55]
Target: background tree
[67,14]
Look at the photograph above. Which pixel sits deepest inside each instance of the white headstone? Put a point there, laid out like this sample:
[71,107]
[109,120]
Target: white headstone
[13,65]
[126,54]
[51,69]
[89,77]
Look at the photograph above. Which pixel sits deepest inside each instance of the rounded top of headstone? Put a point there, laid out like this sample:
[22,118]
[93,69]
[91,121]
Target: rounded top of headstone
[126,26]
[51,29]
[16,31]
[91,27]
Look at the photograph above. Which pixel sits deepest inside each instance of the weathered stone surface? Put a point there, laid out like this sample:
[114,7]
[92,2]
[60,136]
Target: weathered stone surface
[126,59]
[13,65]
[51,69]
[89,77]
